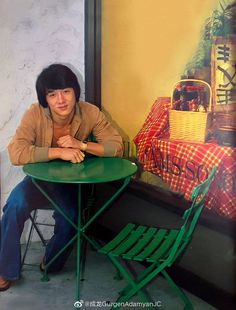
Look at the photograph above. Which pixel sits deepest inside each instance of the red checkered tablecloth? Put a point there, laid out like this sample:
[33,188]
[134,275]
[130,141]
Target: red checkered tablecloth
[184,165]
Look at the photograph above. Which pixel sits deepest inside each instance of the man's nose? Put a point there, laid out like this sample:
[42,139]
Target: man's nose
[60,96]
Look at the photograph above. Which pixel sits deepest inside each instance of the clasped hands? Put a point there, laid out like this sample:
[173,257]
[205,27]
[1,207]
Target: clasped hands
[71,149]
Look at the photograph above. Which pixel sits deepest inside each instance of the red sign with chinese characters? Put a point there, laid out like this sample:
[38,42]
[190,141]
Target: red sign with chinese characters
[223,74]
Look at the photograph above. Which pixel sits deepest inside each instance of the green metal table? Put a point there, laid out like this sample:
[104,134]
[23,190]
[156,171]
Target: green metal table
[91,171]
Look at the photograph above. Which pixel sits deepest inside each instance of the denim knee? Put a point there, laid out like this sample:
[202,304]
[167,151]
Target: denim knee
[16,205]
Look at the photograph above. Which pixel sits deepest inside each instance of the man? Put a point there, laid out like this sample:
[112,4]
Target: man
[57,127]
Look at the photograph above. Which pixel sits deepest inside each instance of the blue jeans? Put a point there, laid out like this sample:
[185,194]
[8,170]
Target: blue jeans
[24,198]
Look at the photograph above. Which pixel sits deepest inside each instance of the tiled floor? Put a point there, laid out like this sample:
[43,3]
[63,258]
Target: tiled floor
[98,287]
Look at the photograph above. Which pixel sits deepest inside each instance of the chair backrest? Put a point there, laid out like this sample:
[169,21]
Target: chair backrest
[190,217]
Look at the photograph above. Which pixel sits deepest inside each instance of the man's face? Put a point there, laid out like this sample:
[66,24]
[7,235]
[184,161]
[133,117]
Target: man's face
[61,101]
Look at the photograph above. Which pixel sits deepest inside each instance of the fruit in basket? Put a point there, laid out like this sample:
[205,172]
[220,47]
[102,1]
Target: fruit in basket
[176,105]
[193,106]
[201,108]
[184,106]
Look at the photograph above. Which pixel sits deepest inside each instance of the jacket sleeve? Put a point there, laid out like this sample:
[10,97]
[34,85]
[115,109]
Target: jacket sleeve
[22,148]
[107,135]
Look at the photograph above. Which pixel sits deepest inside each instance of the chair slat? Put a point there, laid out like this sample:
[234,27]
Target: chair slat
[165,246]
[141,243]
[130,241]
[157,239]
[118,239]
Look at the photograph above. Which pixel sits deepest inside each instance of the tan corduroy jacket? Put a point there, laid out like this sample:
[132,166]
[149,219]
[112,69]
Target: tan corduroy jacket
[34,135]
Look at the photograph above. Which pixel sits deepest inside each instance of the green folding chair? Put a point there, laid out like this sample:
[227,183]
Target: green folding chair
[158,248]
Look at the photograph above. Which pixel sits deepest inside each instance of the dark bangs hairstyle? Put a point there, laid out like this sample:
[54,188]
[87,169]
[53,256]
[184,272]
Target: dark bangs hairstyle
[56,76]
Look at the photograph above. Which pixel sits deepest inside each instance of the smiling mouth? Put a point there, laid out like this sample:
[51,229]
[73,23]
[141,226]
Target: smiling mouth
[63,107]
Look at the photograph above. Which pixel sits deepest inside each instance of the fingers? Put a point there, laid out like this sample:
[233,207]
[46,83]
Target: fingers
[72,155]
[63,142]
[78,156]
[66,141]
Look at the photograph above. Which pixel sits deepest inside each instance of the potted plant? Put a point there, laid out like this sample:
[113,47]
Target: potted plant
[222,22]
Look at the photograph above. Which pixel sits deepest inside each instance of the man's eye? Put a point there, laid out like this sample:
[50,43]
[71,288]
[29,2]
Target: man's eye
[66,91]
[51,95]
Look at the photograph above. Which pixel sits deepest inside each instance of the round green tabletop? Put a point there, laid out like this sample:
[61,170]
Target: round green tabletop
[91,170]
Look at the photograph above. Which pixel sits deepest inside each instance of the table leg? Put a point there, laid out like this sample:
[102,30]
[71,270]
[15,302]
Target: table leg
[106,205]
[80,228]
[45,276]
[78,244]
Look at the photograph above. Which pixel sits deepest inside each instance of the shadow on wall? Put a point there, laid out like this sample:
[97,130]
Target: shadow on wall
[80,78]
[129,146]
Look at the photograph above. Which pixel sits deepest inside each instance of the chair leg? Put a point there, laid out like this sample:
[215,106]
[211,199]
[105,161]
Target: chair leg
[33,227]
[141,284]
[180,293]
[140,277]
[32,219]
[131,282]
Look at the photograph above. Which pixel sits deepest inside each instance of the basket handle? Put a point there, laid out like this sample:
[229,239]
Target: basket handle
[193,80]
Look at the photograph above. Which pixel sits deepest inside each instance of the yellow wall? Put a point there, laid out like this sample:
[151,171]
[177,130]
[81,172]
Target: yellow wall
[145,46]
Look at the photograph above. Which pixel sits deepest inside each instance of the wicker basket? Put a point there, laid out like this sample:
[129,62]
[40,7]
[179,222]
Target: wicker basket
[187,125]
